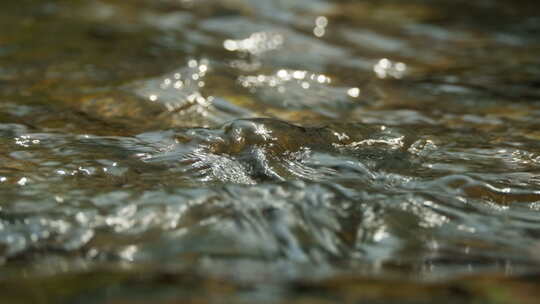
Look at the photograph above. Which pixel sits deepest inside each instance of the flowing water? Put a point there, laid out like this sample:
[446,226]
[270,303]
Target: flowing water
[256,151]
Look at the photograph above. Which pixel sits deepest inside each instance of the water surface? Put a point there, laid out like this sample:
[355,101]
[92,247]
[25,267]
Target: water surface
[246,151]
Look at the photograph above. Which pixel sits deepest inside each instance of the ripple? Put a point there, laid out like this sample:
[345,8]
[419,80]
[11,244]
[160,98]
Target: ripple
[267,149]
[298,89]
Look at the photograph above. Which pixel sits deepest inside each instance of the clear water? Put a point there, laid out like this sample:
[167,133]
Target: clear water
[250,151]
